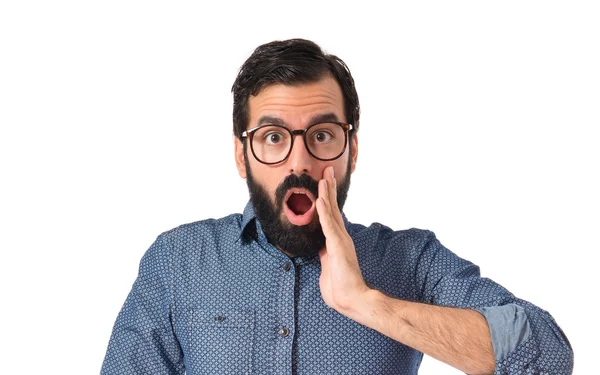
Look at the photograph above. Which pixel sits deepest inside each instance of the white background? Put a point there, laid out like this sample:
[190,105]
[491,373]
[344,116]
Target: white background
[479,122]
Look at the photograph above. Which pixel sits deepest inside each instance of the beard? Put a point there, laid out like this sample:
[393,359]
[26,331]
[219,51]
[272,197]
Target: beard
[299,241]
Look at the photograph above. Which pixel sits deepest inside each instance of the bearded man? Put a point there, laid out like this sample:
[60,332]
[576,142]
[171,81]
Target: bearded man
[291,286]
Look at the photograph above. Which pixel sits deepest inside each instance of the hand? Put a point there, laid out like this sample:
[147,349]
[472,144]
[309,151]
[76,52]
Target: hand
[341,283]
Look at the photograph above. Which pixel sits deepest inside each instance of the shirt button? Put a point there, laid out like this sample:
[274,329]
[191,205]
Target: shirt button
[284,332]
[287,266]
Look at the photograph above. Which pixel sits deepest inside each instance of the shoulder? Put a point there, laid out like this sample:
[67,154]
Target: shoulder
[383,238]
[202,231]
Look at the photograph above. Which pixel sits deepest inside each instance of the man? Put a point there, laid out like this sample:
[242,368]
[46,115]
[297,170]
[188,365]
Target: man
[291,286]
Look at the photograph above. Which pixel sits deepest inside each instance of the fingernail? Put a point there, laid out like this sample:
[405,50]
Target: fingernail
[332,174]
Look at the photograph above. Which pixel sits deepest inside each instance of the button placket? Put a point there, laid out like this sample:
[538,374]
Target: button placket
[284,331]
[285,316]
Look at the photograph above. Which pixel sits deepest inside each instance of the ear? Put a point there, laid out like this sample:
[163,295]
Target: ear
[239,157]
[354,155]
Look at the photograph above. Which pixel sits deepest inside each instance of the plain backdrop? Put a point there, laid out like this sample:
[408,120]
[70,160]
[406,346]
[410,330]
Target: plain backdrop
[479,122]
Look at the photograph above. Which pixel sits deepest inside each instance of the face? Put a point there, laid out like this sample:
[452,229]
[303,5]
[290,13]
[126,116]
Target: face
[283,195]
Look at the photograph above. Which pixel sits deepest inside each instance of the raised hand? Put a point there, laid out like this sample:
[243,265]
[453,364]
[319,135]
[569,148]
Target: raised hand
[341,282]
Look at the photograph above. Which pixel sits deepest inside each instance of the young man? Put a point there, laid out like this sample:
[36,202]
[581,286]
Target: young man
[290,286]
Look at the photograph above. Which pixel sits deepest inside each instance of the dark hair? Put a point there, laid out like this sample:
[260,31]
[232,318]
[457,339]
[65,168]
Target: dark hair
[290,62]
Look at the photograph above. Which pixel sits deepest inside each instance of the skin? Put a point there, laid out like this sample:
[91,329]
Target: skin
[458,337]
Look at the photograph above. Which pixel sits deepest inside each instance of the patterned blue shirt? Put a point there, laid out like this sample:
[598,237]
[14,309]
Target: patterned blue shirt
[215,297]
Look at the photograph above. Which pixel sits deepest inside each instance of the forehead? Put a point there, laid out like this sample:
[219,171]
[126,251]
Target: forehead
[297,105]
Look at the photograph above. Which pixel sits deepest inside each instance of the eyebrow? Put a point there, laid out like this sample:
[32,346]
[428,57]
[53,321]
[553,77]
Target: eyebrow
[330,116]
[270,120]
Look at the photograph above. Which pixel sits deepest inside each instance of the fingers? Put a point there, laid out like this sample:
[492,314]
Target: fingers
[330,216]
[329,176]
[324,209]
[324,194]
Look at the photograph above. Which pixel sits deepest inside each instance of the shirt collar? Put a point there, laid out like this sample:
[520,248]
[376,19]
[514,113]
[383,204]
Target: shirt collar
[247,217]
[251,229]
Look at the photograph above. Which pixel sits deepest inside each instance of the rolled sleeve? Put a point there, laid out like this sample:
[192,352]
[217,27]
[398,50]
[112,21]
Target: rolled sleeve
[546,351]
[509,328]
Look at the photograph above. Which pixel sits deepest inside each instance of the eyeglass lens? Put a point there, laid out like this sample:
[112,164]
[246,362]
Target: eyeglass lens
[272,143]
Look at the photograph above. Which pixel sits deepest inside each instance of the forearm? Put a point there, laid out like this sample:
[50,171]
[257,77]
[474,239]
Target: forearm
[458,337]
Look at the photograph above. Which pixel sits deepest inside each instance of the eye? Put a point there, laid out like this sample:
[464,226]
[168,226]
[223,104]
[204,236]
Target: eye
[274,138]
[322,136]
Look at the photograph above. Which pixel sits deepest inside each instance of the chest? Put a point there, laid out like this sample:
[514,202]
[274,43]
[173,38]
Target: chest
[268,317]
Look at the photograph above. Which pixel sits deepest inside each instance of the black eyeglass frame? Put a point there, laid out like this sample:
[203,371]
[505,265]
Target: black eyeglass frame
[345,127]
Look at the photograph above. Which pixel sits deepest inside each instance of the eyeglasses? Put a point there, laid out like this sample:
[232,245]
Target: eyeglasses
[272,144]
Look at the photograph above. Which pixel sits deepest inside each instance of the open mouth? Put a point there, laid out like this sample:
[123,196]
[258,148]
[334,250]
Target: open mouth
[299,206]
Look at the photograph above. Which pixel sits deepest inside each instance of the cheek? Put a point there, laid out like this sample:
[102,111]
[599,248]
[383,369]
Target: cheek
[340,167]
[340,172]
[268,178]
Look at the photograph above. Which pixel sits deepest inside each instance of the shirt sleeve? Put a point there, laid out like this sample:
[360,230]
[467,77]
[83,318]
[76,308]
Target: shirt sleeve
[143,340]
[508,326]
[526,339]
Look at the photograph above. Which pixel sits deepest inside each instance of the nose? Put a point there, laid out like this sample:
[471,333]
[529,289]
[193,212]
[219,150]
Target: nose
[300,160]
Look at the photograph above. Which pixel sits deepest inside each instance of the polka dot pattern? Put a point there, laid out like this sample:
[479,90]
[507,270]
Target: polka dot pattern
[214,297]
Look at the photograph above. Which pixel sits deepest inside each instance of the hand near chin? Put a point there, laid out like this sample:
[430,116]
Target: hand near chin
[341,282]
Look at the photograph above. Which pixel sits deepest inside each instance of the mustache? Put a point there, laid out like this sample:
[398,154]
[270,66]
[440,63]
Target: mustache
[294,181]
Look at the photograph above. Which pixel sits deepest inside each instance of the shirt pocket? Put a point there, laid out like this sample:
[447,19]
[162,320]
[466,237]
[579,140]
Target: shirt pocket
[220,341]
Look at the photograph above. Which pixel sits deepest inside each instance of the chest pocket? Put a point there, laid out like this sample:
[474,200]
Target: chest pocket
[220,342]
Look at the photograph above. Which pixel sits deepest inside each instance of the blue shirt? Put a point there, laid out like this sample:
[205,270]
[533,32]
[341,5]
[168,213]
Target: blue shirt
[215,297]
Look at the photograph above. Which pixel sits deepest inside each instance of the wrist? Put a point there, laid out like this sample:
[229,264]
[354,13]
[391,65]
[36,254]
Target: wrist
[381,313]
[365,308]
